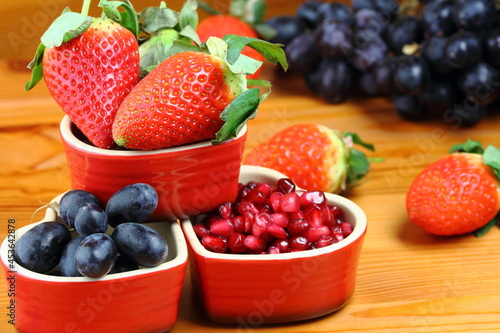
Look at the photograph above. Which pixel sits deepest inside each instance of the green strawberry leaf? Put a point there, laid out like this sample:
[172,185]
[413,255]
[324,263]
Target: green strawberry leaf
[470,146]
[208,8]
[272,52]
[245,65]
[237,113]
[359,165]
[36,68]
[258,83]
[189,14]
[357,140]
[484,229]
[156,18]
[491,158]
[64,28]
[250,11]
[127,18]
[190,32]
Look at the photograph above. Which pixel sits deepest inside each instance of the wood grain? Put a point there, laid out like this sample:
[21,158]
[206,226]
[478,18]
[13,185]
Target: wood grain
[408,281]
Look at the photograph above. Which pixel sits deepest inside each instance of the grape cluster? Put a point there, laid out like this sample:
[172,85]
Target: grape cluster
[441,59]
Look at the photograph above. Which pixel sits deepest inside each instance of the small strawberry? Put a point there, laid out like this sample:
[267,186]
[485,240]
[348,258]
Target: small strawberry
[458,193]
[193,96]
[89,66]
[314,156]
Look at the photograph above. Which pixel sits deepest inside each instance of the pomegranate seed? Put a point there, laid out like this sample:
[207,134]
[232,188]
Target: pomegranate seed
[254,243]
[265,208]
[285,185]
[246,206]
[275,199]
[249,219]
[325,241]
[201,230]
[282,245]
[315,233]
[297,215]
[336,211]
[298,226]
[273,249]
[314,215]
[239,223]
[328,218]
[225,210]
[256,197]
[346,229]
[290,202]
[212,218]
[236,242]
[280,219]
[260,223]
[298,243]
[265,189]
[214,243]
[337,233]
[309,198]
[276,231]
[223,227]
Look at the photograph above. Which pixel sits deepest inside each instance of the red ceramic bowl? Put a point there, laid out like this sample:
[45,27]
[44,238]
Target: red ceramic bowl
[144,300]
[251,290]
[190,179]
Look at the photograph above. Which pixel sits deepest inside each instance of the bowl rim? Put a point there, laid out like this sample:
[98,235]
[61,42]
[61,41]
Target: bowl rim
[51,215]
[358,231]
[68,137]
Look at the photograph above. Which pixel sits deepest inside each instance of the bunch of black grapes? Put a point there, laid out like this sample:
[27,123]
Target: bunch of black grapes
[441,61]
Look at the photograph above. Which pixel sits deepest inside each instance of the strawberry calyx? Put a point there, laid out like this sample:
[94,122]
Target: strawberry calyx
[358,163]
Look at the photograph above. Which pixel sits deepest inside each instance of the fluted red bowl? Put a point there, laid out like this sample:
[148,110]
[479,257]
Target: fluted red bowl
[143,300]
[189,179]
[254,289]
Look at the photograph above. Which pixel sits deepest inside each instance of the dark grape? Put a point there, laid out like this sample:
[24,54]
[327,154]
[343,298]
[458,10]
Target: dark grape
[467,114]
[67,264]
[405,30]
[123,264]
[440,94]
[463,49]
[368,51]
[133,203]
[383,74]
[91,219]
[287,27]
[433,50]
[408,107]
[312,78]
[73,200]
[95,255]
[302,54]
[334,39]
[141,244]
[370,20]
[335,80]
[481,82]
[335,11]
[41,247]
[387,8]
[474,15]
[308,13]
[411,75]
[437,18]
[367,83]
[492,47]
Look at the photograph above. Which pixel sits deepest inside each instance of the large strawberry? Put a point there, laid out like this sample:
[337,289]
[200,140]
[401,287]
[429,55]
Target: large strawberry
[457,194]
[89,66]
[314,156]
[193,96]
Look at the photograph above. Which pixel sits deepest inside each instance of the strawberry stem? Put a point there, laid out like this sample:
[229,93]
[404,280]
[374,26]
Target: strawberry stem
[86,7]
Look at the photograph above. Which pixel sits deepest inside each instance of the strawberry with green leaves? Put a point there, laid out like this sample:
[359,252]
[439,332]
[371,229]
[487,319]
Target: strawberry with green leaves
[314,156]
[194,96]
[459,193]
[89,65]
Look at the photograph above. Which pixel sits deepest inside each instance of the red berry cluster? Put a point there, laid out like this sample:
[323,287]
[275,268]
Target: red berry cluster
[273,219]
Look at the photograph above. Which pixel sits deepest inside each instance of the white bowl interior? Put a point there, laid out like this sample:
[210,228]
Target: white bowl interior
[171,231]
[68,136]
[352,212]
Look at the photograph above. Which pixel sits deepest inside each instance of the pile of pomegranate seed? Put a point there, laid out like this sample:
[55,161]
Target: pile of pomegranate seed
[273,219]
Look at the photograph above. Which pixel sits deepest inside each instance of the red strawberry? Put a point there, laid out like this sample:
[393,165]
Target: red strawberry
[314,156]
[457,194]
[89,74]
[191,96]
[221,25]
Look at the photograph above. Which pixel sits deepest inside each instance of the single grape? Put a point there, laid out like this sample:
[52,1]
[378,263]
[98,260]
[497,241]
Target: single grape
[67,264]
[439,94]
[433,50]
[463,49]
[437,18]
[302,53]
[387,8]
[370,20]
[41,247]
[481,82]
[335,80]
[73,200]
[287,27]
[334,39]
[474,15]
[368,50]
[405,30]
[308,13]
[133,203]
[141,244]
[122,264]
[95,256]
[492,47]
[367,83]
[467,114]
[91,219]
[335,11]
[383,74]
[408,107]
[411,75]
[312,78]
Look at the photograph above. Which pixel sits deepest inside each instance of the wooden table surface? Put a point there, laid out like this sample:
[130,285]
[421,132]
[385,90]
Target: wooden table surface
[408,281]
